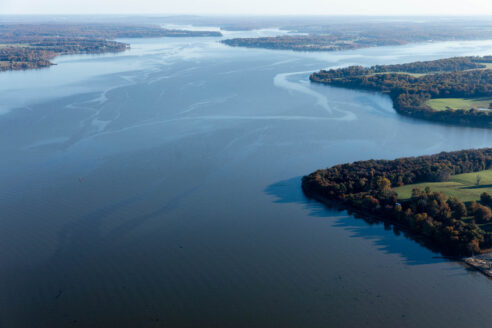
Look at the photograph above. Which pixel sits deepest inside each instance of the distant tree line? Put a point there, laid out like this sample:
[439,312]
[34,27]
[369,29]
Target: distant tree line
[447,222]
[329,42]
[332,36]
[15,33]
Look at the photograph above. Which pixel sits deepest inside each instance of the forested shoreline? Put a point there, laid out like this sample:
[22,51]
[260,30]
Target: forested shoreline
[310,42]
[451,225]
[411,85]
[28,46]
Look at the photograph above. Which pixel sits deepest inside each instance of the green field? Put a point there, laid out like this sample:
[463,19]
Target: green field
[462,186]
[439,104]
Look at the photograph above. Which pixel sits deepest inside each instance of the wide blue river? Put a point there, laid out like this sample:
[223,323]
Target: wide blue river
[160,187]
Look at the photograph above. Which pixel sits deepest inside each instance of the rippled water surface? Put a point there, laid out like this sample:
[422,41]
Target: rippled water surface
[160,187]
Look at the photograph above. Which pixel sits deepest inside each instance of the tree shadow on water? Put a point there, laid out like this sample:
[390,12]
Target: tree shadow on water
[387,237]
[290,191]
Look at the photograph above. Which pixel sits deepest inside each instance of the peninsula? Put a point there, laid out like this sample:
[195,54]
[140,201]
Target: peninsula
[310,42]
[444,200]
[453,91]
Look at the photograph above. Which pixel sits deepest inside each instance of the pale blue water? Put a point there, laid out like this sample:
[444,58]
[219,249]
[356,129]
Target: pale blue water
[161,188]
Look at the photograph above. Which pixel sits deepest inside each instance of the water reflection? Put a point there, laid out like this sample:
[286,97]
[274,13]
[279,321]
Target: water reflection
[387,237]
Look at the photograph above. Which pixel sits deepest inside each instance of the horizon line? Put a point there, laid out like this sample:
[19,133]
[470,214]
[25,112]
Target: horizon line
[247,15]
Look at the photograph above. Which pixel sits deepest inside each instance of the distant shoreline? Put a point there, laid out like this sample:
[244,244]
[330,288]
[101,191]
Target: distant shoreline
[34,46]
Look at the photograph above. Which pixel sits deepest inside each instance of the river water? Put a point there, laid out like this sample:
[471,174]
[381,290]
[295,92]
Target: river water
[160,187]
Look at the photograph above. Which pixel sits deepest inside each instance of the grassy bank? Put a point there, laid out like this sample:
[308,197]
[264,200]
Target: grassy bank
[440,104]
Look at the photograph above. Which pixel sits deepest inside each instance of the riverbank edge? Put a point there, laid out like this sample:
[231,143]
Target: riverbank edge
[49,60]
[422,240]
[432,116]
[484,266]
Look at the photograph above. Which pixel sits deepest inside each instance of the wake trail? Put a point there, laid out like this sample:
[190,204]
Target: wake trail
[281,80]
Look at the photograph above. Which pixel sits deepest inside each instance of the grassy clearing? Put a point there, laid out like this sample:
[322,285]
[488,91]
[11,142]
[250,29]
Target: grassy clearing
[462,186]
[439,104]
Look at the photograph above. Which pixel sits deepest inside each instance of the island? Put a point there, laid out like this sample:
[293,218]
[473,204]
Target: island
[28,46]
[454,91]
[443,200]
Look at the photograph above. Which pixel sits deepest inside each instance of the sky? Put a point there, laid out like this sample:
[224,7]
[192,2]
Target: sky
[241,7]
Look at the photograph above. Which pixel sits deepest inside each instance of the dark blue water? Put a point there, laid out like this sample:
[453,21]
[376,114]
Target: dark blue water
[161,188]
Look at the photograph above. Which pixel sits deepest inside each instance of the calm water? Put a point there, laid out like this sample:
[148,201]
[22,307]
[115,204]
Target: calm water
[160,188]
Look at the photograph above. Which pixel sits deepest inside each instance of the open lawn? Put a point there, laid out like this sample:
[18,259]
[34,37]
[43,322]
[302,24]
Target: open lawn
[462,186]
[439,104]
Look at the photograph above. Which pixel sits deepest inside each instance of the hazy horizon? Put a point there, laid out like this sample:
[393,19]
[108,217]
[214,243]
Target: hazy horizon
[233,15]
[251,7]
